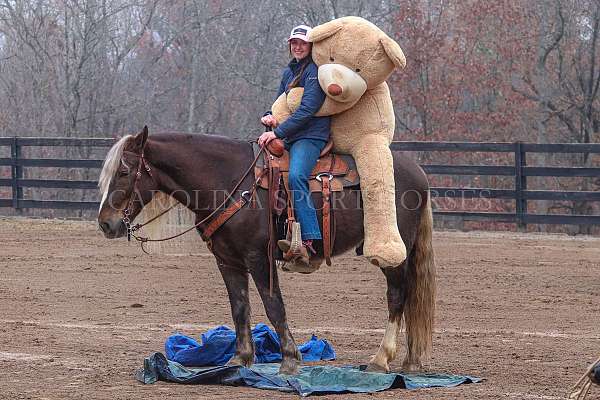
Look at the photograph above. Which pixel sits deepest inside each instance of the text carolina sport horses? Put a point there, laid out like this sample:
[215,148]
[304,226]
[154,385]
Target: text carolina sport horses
[193,167]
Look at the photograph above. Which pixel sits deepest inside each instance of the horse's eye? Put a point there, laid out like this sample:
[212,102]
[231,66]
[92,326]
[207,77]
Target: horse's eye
[357,69]
[331,59]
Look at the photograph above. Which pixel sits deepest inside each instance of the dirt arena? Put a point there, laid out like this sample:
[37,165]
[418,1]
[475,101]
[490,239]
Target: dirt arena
[79,313]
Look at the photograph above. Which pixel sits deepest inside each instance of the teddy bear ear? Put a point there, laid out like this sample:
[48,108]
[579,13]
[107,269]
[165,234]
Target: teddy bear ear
[393,51]
[323,31]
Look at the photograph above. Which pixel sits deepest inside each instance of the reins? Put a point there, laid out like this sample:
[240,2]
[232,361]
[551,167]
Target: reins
[127,211]
[246,197]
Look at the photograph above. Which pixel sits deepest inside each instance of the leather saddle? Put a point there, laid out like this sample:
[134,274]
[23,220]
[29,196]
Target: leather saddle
[340,168]
[332,173]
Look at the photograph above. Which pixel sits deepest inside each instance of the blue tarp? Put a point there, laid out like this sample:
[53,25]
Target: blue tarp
[218,346]
[310,379]
[190,362]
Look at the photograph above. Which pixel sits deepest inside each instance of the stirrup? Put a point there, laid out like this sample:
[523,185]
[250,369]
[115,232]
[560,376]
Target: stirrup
[292,249]
[296,242]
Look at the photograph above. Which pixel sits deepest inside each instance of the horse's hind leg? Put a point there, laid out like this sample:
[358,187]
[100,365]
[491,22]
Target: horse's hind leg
[275,310]
[396,293]
[236,281]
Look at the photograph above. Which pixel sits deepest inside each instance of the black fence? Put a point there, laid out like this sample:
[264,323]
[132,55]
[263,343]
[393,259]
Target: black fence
[518,172]
[17,162]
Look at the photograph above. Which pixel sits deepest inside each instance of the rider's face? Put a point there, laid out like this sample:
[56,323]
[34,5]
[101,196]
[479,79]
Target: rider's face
[300,48]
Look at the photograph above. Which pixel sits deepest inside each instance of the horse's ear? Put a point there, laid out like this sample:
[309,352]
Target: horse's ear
[141,138]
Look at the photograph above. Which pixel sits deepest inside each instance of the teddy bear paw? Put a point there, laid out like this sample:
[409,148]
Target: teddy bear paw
[386,255]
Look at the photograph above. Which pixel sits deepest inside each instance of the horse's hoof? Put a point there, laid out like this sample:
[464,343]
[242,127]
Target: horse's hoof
[412,367]
[239,361]
[372,367]
[289,367]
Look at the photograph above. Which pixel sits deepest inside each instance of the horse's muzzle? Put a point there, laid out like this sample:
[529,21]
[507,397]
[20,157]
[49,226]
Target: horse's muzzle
[112,229]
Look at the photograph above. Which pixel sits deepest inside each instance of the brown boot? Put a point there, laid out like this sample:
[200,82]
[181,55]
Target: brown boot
[297,261]
[284,245]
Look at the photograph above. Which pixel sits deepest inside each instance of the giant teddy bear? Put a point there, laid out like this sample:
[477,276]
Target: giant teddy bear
[355,58]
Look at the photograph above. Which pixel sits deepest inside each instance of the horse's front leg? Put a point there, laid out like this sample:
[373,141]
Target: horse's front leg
[275,309]
[236,281]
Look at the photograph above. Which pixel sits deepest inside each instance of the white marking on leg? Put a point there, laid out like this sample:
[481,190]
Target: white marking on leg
[389,343]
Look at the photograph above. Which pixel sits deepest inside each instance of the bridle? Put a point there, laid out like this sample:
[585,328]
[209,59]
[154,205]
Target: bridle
[127,211]
[246,196]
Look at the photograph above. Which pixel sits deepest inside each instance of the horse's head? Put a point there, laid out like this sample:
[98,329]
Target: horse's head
[126,184]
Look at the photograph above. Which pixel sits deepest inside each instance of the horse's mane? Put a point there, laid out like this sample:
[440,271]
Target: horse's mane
[114,157]
[111,164]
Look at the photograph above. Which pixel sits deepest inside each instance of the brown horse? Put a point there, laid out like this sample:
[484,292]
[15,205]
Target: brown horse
[192,168]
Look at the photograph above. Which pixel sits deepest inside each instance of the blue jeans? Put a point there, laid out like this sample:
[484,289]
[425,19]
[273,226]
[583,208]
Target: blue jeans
[304,154]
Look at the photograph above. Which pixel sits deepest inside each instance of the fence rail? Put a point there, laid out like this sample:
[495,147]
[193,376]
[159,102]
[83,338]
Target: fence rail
[519,172]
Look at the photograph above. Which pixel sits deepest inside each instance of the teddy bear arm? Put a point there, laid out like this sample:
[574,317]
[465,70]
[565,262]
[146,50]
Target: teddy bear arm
[280,109]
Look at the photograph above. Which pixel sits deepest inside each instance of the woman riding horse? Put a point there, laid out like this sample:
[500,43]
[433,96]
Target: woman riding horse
[305,136]
[192,168]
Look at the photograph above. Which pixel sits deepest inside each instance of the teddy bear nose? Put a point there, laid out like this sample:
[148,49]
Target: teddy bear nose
[334,89]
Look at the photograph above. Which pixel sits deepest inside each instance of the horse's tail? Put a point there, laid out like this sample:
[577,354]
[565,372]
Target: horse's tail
[420,301]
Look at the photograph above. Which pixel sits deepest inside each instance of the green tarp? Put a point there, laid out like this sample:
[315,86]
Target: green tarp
[319,379]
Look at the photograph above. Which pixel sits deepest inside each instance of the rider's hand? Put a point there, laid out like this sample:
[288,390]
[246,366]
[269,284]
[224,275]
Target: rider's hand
[266,138]
[269,120]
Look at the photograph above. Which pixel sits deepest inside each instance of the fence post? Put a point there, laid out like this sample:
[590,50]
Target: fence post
[16,174]
[520,186]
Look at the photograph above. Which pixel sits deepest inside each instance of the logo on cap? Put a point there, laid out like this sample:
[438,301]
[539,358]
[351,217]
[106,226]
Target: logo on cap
[300,31]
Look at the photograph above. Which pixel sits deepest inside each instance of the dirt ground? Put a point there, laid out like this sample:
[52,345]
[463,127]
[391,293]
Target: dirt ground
[521,311]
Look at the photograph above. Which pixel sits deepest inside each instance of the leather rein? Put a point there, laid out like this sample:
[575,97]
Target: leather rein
[211,228]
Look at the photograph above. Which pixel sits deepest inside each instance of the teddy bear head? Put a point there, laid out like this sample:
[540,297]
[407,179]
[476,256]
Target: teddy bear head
[353,55]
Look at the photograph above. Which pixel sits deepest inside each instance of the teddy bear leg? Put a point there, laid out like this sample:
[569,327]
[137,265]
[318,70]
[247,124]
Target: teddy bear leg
[383,245]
